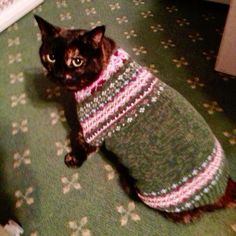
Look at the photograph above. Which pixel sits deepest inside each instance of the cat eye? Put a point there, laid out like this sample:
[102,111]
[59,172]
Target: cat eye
[77,62]
[50,58]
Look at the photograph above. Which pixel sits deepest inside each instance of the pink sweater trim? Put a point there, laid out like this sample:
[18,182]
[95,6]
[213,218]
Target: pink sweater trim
[190,188]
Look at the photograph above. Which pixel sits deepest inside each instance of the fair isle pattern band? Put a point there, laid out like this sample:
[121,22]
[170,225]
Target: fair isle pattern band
[116,61]
[120,79]
[93,134]
[207,176]
[120,100]
[126,93]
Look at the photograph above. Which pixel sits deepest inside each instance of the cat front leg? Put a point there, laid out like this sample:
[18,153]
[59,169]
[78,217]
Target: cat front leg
[80,153]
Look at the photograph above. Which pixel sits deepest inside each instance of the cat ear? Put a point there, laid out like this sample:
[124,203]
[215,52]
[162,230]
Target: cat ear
[46,28]
[96,35]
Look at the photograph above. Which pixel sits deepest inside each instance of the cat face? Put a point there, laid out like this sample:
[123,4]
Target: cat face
[74,58]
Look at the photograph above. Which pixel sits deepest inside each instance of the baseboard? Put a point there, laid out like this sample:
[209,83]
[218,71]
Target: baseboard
[15,11]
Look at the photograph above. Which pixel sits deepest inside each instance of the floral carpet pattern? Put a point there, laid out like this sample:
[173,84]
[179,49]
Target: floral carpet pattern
[178,41]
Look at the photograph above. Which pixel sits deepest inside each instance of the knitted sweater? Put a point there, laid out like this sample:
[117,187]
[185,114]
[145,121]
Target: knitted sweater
[156,134]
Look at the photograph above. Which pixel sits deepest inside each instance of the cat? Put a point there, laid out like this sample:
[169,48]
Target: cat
[168,149]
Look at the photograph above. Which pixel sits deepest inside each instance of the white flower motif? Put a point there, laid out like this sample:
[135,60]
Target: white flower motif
[130,34]
[21,158]
[90,11]
[24,197]
[13,42]
[55,117]
[209,55]
[195,82]
[231,136]
[195,37]
[16,100]
[14,27]
[167,44]
[180,62]
[171,9]
[146,14]
[197,198]
[156,28]
[15,58]
[122,19]
[140,50]
[14,78]
[153,69]
[208,17]
[79,228]
[35,23]
[21,126]
[63,147]
[61,4]
[65,16]
[129,213]
[212,107]
[182,22]
[138,2]
[95,24]
[53,92]
[114,6]
[39,36]
[70,184]
[110,172]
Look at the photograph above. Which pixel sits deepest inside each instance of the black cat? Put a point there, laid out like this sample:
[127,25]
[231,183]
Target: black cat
[177,164]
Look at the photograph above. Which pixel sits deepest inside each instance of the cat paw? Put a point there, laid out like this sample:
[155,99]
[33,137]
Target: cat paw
[187,219]
[73,161]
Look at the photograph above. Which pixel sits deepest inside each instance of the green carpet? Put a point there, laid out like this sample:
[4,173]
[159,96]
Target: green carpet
[178,40]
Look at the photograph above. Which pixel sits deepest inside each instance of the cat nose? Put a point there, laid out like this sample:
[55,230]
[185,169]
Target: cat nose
[68,77]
